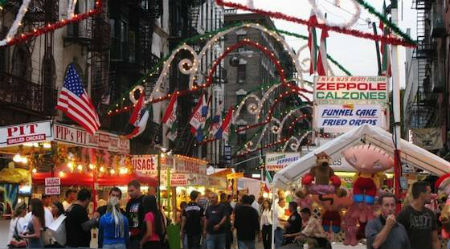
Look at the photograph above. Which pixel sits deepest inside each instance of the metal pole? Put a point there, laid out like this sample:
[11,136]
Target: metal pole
[396,103]
[159,178]
[377,47]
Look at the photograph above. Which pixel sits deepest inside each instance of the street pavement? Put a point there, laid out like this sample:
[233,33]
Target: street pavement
[4,229]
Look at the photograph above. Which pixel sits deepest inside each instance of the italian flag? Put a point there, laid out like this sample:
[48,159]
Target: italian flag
[267,181]
[169,118]
[322,63]
[312,41]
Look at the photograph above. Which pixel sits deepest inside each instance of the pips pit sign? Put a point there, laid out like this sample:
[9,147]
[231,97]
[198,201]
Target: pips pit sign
[351,90]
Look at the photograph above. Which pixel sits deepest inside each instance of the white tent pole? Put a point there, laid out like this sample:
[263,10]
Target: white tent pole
[273,218]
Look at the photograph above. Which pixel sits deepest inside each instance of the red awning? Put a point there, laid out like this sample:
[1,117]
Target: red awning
[85,179]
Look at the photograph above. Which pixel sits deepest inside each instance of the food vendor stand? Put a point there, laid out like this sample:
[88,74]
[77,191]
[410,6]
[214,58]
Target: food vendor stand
[48,149]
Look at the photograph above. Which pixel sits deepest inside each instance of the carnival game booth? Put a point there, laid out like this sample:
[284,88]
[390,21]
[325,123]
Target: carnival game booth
[370,150]
[58,156]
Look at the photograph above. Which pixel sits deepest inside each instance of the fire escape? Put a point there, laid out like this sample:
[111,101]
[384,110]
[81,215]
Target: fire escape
[422,108]
[93,35]
[28,100]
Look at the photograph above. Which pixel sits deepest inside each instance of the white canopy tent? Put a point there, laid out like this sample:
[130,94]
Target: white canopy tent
[410,153]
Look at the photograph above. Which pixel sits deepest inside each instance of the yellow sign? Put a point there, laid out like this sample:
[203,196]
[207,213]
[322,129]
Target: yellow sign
[235,175]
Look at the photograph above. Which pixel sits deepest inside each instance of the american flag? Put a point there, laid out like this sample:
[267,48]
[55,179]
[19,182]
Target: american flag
[74,101]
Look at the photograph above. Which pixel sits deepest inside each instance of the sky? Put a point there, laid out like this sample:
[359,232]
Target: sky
[355,54]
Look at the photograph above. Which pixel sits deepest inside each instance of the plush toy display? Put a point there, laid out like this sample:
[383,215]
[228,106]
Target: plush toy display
[318,180]
[443,186]
[350,226]
[370,162]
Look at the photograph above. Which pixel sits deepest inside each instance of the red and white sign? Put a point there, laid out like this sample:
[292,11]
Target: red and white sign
[52,190]
[177,180]
[52,181]
[25,133]
[145,165]
[190,165]
[100,140]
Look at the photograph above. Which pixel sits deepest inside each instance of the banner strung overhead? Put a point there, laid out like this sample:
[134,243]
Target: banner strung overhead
[340,118]
[348,89]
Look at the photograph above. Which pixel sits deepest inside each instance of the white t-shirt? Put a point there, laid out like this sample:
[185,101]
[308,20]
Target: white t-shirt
[47,215]
[19,223]
[66,205]
[279,214]
[255,205]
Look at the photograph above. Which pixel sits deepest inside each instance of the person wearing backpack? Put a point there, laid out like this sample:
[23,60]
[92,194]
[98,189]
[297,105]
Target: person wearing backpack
[16,227]
[154,228]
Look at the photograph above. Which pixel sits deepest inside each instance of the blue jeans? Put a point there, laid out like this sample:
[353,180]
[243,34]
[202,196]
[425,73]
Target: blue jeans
[215,241]
[114,246]
[246,244]
[278,237]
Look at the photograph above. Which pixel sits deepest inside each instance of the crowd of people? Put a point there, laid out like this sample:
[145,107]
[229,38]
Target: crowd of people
[211,221]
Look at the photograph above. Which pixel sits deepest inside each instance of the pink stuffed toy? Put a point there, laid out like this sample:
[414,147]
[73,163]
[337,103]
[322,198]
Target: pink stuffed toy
[350,226]
[370,162]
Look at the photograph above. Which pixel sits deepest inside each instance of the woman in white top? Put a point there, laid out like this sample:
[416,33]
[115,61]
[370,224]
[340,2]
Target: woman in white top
[266,224]
[18,223]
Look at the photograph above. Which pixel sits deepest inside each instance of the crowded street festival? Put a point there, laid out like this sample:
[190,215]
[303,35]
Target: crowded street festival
[225,124]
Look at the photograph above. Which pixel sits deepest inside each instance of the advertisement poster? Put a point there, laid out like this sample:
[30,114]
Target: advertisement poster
[278,161]
[341,118]
[25,133]
[351,89]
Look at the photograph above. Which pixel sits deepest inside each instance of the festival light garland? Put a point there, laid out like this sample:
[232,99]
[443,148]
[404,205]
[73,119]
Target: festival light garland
[12,39]
[347,24]
[386,21]
[155,69]
[280,141]
[352,32]
[209,79]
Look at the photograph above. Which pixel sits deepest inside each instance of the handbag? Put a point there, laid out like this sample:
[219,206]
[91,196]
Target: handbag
[17,241]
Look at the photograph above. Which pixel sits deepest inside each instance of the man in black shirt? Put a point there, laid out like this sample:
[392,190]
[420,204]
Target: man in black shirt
[419,221]
[78,225]
[246,222]
[214,228]
[135,218]
[192,221]
[225,201]
[294,223]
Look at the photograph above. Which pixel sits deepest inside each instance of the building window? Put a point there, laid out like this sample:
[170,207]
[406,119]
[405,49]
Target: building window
[21,63]
[241,73]
[240,38]
[119,39]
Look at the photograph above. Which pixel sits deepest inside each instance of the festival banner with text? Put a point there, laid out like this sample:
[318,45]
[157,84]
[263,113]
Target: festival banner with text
[341,118]
[351,90]
[342,103]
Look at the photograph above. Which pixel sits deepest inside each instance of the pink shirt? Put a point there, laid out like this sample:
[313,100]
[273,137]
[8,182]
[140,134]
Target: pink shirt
[150,217]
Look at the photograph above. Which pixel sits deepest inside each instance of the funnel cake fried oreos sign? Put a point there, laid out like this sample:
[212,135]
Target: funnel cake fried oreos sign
[340,118]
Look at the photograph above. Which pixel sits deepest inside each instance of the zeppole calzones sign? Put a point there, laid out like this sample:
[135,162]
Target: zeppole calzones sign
[345,102]
[351,90]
